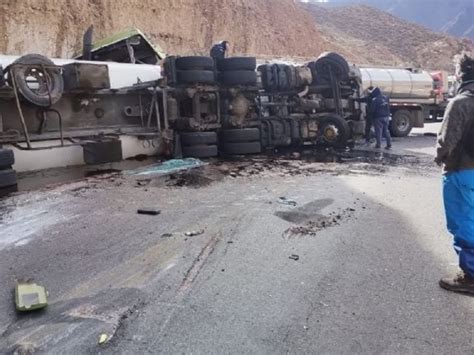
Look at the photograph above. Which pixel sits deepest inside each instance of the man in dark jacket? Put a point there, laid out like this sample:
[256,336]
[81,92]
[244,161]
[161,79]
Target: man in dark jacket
[455,151]
[379,111]
[218,50]
[366,99]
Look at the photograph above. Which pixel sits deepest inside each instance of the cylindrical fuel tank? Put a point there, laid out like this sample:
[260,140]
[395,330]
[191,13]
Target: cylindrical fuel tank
[399,83]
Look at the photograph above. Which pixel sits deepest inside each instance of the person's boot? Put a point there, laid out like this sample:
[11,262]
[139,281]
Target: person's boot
[462,282]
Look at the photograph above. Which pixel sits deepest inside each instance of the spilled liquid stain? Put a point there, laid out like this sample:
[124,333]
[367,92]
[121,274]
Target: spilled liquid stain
[305,213]
[18,225]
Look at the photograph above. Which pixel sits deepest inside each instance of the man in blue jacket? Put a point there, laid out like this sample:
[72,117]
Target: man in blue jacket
[379,111]
[455,151]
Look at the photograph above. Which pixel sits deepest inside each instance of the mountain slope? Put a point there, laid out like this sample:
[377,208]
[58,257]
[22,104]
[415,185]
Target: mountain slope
[265,28]
[55,27]
[382,38]
[455,17]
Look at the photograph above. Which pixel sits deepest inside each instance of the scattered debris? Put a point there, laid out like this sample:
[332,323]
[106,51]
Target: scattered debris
[149,211]
[166,235]
[169,166]
[192,178]
[143,182]
[103,338]
[97,172]
[295,257]
[30,296]
[285,201]
[300,230]
[318,222]
[24,349]
[194,233]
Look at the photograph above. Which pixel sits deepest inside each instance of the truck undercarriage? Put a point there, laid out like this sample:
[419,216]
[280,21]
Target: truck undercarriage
[187,106]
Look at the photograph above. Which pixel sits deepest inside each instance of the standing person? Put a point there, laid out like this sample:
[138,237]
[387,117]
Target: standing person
[218,50]
[366,99]
[455,151]
[379,111]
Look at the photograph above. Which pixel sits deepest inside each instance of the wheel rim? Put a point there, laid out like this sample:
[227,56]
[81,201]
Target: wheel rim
[403,123]
[331,133]
[38,81]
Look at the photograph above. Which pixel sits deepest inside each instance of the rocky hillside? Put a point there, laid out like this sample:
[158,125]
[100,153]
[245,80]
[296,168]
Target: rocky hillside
[265,28]
[455,17]
[55,27]
[377,37]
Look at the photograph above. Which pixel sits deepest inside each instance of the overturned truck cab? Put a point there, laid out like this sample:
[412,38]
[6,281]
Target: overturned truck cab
[311,104]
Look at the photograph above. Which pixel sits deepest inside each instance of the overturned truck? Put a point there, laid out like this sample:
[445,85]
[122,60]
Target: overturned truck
[57,112]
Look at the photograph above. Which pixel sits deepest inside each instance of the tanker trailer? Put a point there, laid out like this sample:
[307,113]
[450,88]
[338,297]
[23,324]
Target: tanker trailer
[412,96]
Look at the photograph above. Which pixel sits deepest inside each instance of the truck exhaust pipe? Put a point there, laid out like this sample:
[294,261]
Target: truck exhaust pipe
[87,44]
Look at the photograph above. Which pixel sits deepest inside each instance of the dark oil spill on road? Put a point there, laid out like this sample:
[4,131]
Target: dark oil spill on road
[234,167]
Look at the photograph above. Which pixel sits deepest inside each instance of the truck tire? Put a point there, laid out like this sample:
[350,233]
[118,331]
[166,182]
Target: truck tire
[198,138]
[2,77]
[6,159]
[237,63]
[7,178]
[335,131]
[269,74]
[291,76]
[196,77]
[240,135]
[37,96]
[283,82]
[241,148]
[339,67]
[195,63]
[238,77]
[200,151]
[401,125]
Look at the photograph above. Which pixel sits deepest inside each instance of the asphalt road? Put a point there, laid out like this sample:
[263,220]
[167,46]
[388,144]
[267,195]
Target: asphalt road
[368,234]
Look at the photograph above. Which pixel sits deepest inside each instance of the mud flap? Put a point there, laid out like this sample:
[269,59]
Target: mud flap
[102,152]
[418,119]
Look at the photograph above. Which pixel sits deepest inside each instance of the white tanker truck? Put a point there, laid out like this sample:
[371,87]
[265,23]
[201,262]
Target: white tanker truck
[414,95]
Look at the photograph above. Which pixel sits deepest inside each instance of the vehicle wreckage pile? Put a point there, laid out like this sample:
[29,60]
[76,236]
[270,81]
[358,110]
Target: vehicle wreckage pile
[123,97]
[192,106]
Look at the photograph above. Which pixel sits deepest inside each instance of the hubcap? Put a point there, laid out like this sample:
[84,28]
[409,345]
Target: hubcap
[330,133]
[403,124]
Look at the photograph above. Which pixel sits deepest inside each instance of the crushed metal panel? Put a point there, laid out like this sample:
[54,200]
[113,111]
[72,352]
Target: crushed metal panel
[109,47]
[86,76]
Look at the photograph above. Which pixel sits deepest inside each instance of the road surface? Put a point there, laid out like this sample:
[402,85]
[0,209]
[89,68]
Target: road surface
[289,255]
